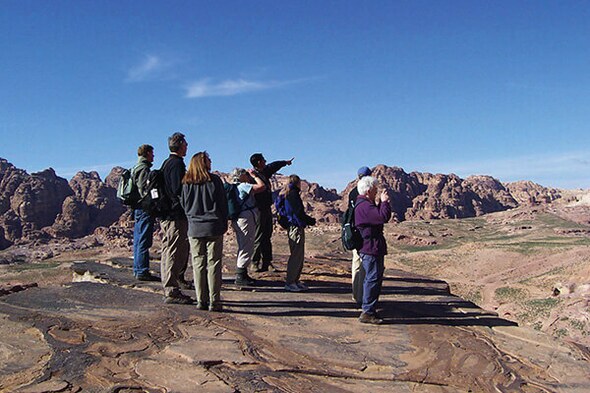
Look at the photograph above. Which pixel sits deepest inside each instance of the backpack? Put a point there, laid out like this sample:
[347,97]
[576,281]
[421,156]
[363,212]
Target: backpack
[156,202]
[234,202]
[350,234]
[280,206]
[127,191]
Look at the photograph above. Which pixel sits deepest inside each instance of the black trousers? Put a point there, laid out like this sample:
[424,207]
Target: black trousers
[262,240]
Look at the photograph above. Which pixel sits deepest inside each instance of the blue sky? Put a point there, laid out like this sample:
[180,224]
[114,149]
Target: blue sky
[467,87]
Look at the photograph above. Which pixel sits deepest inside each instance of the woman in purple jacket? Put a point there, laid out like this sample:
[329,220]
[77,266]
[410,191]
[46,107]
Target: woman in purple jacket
[369,219]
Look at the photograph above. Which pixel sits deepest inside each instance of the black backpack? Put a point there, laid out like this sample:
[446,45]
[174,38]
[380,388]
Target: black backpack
[350,234]
[234,204]
[156,202]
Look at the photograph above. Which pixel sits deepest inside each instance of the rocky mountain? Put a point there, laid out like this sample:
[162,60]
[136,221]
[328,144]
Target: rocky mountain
[419,195]
[43,206]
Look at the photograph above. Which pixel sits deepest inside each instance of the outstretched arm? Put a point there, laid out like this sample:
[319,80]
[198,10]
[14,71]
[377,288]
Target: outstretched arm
[274,167]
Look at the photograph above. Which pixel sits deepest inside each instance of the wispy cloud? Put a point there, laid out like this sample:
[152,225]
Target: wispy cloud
[151,67]
[206,88]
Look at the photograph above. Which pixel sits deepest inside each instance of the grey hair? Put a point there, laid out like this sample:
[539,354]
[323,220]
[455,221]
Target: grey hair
[236,173]
[175,141]
[365,184]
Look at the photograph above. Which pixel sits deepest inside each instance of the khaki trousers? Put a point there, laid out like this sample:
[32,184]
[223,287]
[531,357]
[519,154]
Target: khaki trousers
[358,277]
[175,250]
[297,248]
[245,229]
[207,253]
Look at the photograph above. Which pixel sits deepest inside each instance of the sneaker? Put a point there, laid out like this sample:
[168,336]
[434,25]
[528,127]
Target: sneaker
[147,277]
[302,286]
[202,306]
[178,299]
[183,284]
[370,318]
[292,288]
[216,307]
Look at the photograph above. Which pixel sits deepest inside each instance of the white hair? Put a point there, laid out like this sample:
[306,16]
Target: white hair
[365,184]
[236,173]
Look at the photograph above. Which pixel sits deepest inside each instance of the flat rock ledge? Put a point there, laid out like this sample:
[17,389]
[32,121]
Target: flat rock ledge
[107,332]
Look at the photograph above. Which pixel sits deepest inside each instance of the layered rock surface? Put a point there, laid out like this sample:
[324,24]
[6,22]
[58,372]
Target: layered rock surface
[108,332]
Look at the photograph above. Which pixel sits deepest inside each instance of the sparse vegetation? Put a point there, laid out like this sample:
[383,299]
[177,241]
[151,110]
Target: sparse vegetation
[510,294]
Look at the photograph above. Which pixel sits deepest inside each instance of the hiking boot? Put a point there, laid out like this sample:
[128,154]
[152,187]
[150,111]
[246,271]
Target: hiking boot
[243,279]
[216,307]
[147,277]
[178,299]
[292,288]
[183,284]
[373,319]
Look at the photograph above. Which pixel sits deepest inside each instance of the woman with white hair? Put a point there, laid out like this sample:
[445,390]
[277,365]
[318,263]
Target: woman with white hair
[369,218]
[248,184]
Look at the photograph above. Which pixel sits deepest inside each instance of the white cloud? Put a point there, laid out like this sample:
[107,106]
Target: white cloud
[206,88]
[151,67]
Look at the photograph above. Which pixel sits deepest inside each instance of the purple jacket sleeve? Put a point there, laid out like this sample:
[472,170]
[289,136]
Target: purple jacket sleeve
[370,214]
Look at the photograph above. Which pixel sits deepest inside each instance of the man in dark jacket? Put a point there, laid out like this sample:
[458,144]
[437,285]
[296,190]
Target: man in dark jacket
[262,259]
[369,219]
[143,228]
[175,246]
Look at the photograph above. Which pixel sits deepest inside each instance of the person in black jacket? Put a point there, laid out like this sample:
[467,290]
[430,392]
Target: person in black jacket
[298,220]
[205,204]
[174,226]
[262,259]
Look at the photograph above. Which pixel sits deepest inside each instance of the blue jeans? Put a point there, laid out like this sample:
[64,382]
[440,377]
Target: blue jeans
[374,268]
[143,232]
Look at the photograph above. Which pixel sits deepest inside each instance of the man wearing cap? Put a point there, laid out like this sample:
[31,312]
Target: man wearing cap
[358,273]
[262,259]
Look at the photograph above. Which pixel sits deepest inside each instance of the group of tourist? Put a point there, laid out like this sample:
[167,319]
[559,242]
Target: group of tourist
[197,218]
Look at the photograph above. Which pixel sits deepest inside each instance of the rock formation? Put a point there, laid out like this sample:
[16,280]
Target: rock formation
[417,195]
[42,205]
[529,193]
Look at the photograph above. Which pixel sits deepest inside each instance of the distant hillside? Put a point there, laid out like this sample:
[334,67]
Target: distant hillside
[42,206]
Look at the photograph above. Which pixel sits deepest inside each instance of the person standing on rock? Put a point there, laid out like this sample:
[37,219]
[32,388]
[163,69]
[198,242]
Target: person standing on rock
[245,224]
[369,219]
[358,273]
[205,204]
[262,259]
[143,229]
[174,225]
[298,220]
